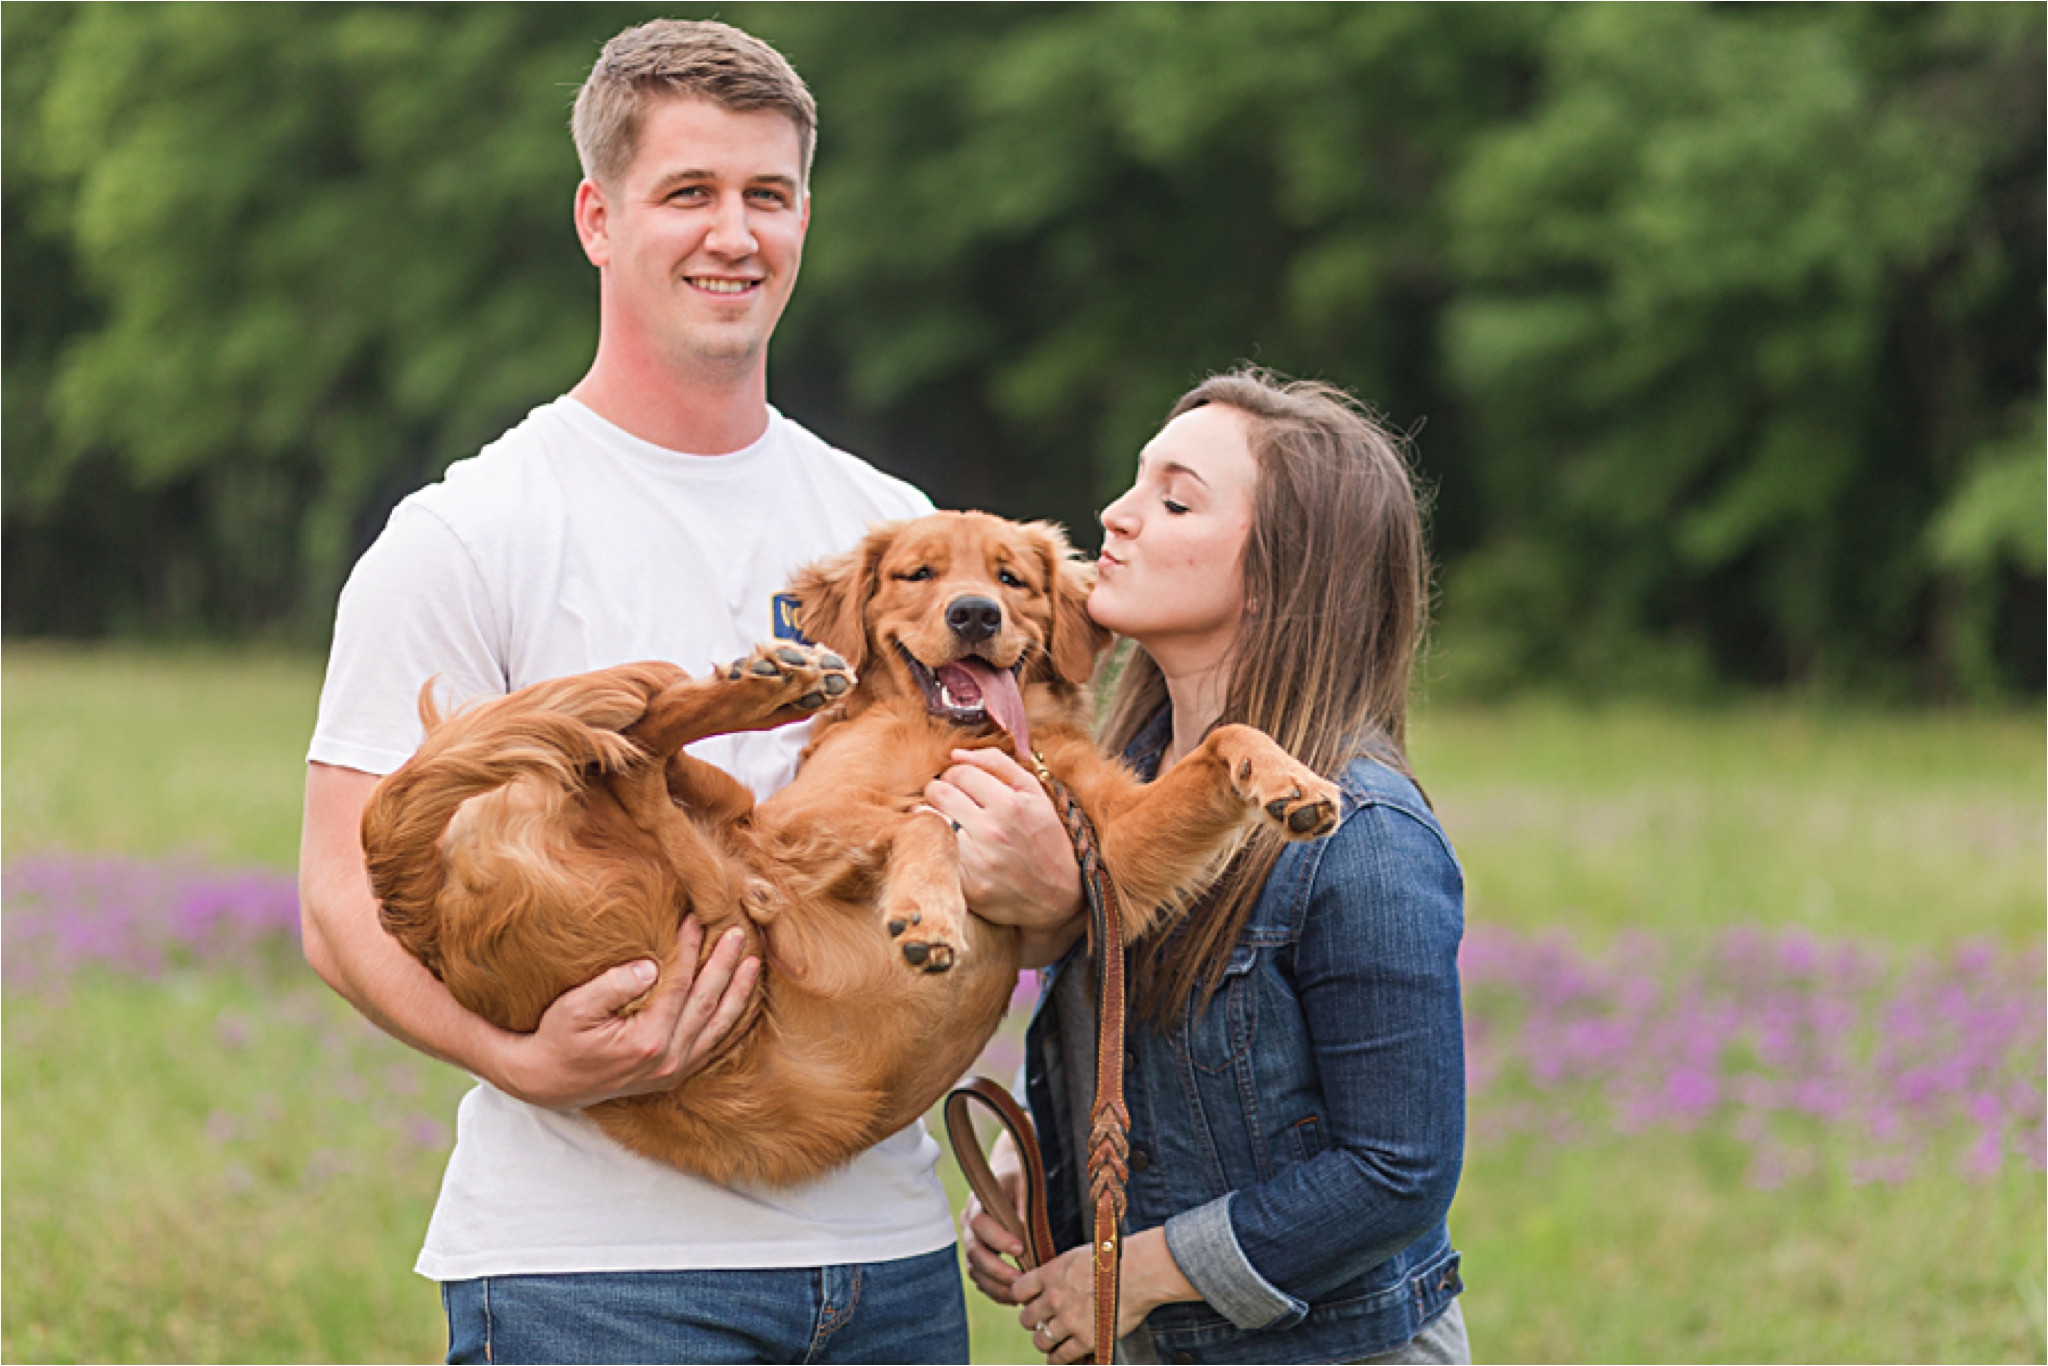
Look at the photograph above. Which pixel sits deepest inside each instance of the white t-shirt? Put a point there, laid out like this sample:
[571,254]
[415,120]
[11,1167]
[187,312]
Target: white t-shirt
[569,545]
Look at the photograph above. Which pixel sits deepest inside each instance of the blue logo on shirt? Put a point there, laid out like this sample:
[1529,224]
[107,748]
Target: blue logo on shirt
[788,616]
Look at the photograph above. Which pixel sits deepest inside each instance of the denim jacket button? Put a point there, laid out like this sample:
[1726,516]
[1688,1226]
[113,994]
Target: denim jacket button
[1139,1161]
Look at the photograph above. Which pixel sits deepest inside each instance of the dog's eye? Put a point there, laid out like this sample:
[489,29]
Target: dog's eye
[1009,580]
[917,575]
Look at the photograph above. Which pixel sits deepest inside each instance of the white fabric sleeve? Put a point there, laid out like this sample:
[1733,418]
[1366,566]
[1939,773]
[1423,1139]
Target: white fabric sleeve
[416,607]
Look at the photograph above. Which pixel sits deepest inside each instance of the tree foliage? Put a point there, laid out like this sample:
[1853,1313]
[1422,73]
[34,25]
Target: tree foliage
[1748,295]
[1720,327]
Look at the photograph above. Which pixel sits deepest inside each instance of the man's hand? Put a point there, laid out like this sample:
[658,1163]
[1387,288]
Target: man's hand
[1016,864]
[585,1051]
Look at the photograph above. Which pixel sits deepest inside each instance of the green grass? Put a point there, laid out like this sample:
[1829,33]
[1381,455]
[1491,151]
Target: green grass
[232,1167]
[208,1169]
[1907,828]
[156,752]
[1657,1249]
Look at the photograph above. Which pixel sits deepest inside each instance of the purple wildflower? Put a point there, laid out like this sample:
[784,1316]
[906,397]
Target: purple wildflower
[1794,1044]
[65,912]
[427,1132]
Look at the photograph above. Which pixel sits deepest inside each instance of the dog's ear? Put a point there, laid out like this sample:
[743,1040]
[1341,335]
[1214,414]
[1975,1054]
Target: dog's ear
[832,597]
[1076,639]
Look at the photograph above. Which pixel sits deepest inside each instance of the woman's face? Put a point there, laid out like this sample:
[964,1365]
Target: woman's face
[1171,573]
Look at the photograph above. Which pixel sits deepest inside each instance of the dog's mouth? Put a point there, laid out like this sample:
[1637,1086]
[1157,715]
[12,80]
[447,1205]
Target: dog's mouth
[970,691]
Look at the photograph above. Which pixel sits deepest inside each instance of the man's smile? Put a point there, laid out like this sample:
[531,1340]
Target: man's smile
[714,285]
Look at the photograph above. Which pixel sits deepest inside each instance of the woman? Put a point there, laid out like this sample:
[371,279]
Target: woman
[1295,1073]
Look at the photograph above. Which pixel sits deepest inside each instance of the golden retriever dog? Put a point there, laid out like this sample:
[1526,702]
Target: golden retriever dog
[538,839]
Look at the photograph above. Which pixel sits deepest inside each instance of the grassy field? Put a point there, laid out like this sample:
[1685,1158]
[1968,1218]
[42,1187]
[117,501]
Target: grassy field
[208,1157]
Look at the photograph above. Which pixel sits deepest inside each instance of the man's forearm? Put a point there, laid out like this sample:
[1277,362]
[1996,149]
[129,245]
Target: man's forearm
[348,948]
[584,1049]
[391,989]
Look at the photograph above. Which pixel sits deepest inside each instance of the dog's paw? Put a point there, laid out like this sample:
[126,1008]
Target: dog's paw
[1290,794]
[802,678]
[924,950]
[1307,810]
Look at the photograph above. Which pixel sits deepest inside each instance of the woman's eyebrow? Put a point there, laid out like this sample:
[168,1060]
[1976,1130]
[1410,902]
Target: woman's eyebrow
[1168,468]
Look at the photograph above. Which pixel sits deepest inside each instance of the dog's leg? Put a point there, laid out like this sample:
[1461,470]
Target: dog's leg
[922,907]
[773,686]
[719,801]
[708,792]
[1166,838]
[710,876]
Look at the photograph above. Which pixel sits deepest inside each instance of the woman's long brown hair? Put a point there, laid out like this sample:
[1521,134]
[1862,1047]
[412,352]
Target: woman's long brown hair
[1336,584]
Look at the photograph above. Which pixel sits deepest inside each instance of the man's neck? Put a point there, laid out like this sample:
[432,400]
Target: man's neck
[708,414]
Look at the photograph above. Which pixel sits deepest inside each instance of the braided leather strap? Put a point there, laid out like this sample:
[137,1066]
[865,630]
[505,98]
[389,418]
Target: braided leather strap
[1109,1122]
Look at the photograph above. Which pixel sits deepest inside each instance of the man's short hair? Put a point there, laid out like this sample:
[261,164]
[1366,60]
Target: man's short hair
[670,58]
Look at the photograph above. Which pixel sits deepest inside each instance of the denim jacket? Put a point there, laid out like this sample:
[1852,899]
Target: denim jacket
[1302,1137]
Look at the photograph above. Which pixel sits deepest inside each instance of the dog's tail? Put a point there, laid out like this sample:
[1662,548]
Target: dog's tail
[556,732]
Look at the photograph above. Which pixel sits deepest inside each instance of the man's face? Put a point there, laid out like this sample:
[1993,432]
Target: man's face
[700,239]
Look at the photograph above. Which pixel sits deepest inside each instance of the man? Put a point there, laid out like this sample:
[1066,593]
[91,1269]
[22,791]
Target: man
[652,513]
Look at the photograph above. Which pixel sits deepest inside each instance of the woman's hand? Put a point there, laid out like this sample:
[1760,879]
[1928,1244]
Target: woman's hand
[992,1250]
[1058,1299]
[1058,1306]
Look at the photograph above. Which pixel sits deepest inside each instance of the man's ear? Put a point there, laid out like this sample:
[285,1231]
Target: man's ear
[593,222]
[832,597]
[1076,639]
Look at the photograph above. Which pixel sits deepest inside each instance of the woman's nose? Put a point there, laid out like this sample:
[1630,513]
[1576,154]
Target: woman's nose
[1116,518]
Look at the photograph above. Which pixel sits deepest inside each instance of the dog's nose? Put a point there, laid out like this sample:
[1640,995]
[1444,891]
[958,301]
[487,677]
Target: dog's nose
[974,619]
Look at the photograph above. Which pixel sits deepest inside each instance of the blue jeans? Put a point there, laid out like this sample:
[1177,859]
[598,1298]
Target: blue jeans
[903,1311]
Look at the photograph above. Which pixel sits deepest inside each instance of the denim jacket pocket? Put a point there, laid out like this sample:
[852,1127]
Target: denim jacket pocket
[1219,1037]
[1308,1138]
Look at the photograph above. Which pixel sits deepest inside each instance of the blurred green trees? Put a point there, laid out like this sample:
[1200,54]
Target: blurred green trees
[1720,328]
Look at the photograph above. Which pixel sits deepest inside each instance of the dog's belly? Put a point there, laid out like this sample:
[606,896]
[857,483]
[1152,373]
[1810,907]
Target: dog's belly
[825,1074]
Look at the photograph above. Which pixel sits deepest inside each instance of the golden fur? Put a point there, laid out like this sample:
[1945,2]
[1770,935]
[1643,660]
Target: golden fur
[539,839]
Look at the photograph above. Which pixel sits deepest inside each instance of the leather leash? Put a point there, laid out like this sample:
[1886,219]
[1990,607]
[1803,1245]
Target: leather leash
[1109,1122]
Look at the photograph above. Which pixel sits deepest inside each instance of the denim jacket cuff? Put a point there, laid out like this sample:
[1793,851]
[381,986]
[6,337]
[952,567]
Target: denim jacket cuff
[1205,1248]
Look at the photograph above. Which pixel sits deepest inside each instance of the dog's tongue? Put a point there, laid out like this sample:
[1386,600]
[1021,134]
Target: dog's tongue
[997,689]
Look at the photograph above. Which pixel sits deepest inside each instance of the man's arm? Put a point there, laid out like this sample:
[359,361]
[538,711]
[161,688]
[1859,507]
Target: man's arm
[581,1053]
